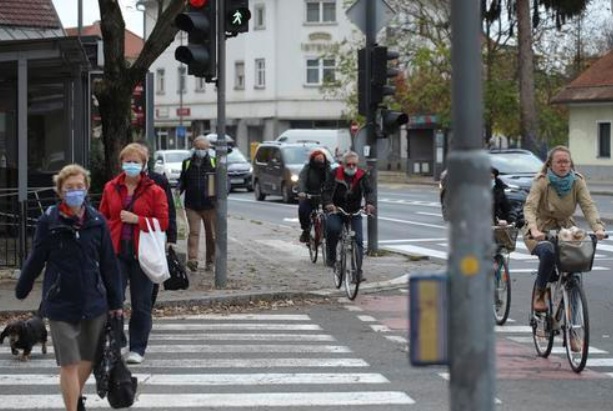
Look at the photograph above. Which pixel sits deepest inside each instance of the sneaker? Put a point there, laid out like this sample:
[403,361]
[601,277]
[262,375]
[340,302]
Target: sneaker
[576,343]
[304,237]
[124,351]
[81,404]
[192,265]
[134,358]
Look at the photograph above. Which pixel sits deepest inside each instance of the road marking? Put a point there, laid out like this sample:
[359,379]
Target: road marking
[397,339]
[367,318]
[380,328]
[353,308]
[412,240]
[395,220]
[247,348]
[415,249]
[291,220]
[265,379]
[429,214]
[555,350]
[239,317]
[513,329]
[236,326]
[240,337]
[214,363]
[600,362]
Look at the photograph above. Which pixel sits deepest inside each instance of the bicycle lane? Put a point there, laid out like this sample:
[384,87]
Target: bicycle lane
[387,314]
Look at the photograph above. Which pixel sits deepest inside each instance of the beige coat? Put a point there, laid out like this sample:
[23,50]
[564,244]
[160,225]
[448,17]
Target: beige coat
[545,211]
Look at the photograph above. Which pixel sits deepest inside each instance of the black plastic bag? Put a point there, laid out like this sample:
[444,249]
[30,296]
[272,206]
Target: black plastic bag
[178,275]
[122,386]
[108,355]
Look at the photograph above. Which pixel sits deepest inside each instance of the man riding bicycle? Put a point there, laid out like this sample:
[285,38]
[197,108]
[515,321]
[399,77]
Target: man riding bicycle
[344,187]
[311,181]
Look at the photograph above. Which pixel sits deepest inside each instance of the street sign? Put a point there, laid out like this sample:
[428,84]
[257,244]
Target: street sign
[357,14]
[180,131]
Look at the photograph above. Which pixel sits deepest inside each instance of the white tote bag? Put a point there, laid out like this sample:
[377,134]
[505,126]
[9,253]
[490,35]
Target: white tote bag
[152,252]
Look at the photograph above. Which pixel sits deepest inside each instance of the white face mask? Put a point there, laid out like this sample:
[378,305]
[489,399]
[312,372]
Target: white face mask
[351,171]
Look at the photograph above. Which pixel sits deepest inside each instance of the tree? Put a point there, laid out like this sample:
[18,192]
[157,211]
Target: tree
[114,92]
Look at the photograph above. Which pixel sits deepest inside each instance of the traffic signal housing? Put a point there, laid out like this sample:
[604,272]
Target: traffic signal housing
[381,73]
[200,53]
[389,121]
[237,16]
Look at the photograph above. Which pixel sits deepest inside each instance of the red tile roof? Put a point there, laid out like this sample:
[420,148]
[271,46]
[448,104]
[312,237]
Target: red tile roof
[133,44]
[29,13]
[594,84]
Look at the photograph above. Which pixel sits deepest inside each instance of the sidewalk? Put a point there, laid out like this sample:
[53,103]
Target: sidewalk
[265,262]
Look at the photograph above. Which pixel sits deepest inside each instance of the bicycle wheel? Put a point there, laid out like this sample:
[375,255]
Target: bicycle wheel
[337,272]
[502,290]
[542,327]
[352,275]
[313,241]
[577,325]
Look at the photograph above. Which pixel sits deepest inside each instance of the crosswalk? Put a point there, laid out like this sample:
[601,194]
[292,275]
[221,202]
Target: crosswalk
[214,361]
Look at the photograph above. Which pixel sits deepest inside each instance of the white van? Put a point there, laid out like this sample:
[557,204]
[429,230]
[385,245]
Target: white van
[337,141]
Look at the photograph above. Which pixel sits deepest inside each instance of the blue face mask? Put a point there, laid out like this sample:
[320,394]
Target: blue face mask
[75,198]
[132,169]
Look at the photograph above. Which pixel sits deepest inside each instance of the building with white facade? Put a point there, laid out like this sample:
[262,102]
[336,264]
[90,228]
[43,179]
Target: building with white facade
[273,76]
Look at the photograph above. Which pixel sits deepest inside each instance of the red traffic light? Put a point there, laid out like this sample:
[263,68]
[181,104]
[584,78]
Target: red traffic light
[197,3]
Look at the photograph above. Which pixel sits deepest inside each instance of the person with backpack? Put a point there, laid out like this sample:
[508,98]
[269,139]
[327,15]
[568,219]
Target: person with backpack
[197,182]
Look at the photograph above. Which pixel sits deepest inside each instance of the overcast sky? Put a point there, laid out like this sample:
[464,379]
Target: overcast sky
[68,12]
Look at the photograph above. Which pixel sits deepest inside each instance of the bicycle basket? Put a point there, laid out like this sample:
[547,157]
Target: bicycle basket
[576,255]
[506,237]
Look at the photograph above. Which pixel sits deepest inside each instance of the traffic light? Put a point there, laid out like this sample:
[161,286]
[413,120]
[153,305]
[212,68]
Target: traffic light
[200,54]
[381,72]
[362,83]
[389,121]
[237,16]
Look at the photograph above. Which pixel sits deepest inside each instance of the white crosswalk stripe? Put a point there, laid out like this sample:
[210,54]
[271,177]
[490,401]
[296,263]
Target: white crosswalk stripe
[213,361]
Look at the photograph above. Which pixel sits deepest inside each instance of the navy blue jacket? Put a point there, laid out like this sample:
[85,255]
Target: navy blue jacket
[193,181]
[82,278]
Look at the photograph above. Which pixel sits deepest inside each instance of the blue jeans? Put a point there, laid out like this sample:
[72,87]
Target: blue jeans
[546,253]
[304,213]
[334,226]
[141,289]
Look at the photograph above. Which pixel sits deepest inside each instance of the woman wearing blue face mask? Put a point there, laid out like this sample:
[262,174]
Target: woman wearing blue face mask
[127,200]
[81,283]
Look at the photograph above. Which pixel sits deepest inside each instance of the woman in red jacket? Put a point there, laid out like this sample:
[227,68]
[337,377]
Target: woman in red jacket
[126,201]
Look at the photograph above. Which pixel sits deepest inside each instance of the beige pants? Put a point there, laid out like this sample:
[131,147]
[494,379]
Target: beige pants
[195,219]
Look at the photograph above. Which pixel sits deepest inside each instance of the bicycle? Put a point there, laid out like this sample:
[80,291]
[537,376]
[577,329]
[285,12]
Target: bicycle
[317,230]
[505,237]
[349,273]
[566,302]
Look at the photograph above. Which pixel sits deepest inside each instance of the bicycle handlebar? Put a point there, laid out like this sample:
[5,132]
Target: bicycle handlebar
[339,210]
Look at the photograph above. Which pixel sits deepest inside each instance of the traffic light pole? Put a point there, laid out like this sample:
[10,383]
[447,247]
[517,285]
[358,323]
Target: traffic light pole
[371,138]
[221,150]
[471,324]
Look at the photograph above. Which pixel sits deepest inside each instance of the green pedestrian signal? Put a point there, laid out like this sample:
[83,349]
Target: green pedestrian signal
[237,16]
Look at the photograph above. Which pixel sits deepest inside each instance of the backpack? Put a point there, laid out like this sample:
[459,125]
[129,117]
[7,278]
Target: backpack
[178,275]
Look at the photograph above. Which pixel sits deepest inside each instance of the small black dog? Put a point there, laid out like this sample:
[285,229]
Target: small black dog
[24,334]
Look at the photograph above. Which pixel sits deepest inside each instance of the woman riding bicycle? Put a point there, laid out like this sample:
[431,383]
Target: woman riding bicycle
[345,186]
[311,181]
[551,203]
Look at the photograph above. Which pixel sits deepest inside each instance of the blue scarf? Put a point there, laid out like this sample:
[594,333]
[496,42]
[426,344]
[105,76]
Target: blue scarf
[562,185]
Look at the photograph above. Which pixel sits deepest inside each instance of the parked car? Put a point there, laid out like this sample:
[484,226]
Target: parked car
[168,163]
[240,170]
[336,140]
[276,168]
[516,168]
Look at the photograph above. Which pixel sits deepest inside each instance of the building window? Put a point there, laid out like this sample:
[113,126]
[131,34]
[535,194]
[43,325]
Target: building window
[260,73]
[259,21]
[320,70]
[200,84]
[321,11]
[160,86]
[181,79]
[239,75]
[604,140]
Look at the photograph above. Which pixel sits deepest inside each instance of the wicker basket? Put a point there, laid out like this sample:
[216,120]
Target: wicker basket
[506,237]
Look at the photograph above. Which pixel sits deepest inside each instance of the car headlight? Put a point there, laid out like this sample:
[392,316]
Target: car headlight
[294,178]
[250,169]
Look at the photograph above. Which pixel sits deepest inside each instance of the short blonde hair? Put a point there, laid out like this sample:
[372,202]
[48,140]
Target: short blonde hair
[133,148]
[69,171]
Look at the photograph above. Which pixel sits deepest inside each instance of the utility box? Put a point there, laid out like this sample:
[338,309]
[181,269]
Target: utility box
[428,319]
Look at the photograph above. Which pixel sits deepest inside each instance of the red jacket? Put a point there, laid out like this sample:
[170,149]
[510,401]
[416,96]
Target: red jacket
[150,201]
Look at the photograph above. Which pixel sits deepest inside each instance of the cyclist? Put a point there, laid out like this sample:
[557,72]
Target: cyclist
[556,190]
[311,181]
[345,186]
[502,209]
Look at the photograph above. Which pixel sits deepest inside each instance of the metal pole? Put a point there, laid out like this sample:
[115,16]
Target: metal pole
[371,138]
[221,150]
[471,326]
[22,152]
[80,18]
[149,112]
